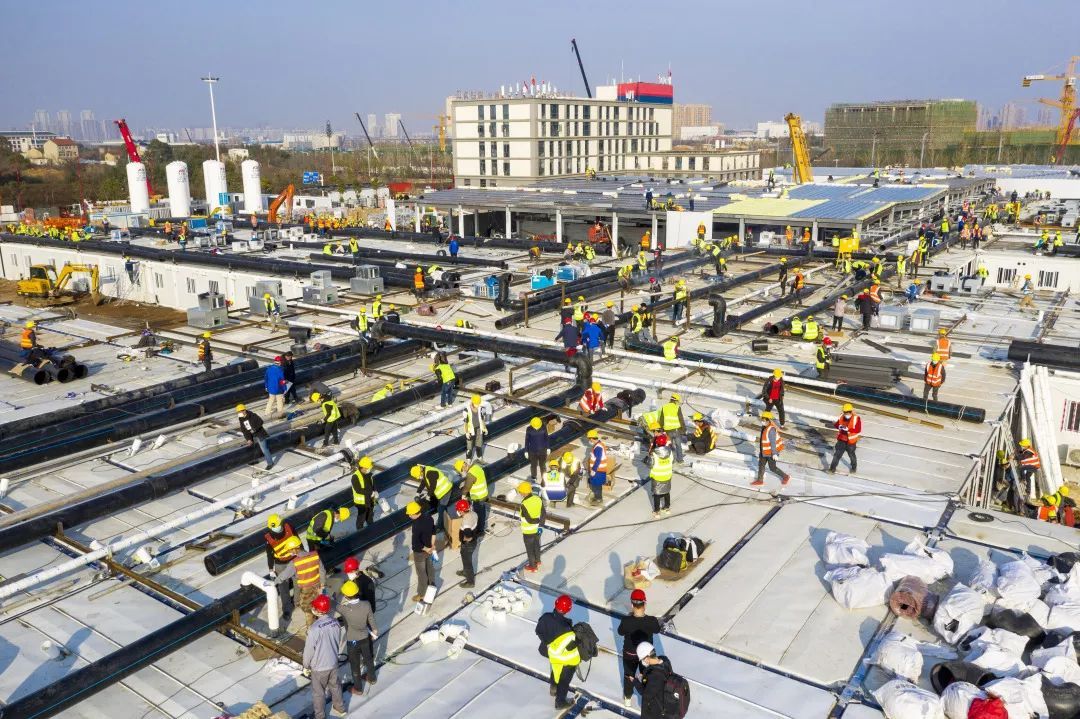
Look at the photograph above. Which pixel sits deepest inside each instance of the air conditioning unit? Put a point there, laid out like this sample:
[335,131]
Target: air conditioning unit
[1072,455]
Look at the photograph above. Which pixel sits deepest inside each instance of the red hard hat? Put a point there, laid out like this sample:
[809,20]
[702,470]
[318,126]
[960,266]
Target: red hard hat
[638,595]
[462,505]
[278,359]
[661,440]
[352,565]
[564,604]
[827,341]
[321,604]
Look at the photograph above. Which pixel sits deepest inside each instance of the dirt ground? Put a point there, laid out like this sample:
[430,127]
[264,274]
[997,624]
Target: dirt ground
[126,314]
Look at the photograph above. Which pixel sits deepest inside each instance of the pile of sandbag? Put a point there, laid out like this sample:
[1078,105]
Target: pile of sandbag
[857,585]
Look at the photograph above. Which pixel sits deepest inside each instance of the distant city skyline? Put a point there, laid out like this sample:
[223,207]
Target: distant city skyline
[747,77]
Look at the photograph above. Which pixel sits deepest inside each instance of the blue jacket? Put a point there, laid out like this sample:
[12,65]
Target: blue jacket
[569,336]
[536,440]
[454,246]
[275,379]
[596,475]
[592,335]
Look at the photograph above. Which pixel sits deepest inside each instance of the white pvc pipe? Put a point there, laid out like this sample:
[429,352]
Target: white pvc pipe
[273,599]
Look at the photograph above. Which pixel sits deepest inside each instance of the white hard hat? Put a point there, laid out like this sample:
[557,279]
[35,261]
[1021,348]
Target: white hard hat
[644,649]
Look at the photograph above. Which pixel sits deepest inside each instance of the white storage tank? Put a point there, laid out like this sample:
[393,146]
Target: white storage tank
[213,182]
[179,189]
[249,171]
[137,191]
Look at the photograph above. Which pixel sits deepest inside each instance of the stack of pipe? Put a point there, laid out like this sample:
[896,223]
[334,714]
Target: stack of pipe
[47,366]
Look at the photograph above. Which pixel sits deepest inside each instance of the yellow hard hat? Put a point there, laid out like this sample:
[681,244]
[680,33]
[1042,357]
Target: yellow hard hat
[460,323]
[580,298]
[593,434]
[943,331]
[698,416]
[609,303]
[412,508]
[595,386]
[778,372]
[350,589]
[1027,277]
[935,357]
[476,400]
[524,488]
[783,260]
[847,407]
[365,462]
[378,297]
[553,463]
[1064,490]
[389,387]
[31,324]
[363,310]
[343,514]
[568,457]
[266,295]
[459,465]
[676,397]
[766,414]
[535,423]
[274,522]
[241,408]
[206,335]
[416,471]
[315,396]
[1024,442]
[292,543]
[566,301]
[419,269]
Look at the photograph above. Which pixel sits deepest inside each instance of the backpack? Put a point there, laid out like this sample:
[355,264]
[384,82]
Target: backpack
[675,699]
[672,558]
[692,546]
[588,645]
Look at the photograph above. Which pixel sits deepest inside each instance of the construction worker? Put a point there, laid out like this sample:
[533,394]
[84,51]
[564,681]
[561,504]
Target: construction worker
[642,263]
[203,349]
[624,277]
[362,321]
[789,236]
[782,276]
[933,376]
[251,425]
[866,308]
[537,444]
[469,535]
[701,232]
[848,432]
[278,556]
[448,382]
[770,445]
[635,628]
[275,385]
[838,312]
[945,228]
[320,661]
[435,488]
[1053,503]
[363,492]
[637,322]
[655,672]
[360,632]
[721,262]
[901,269]
[811,331]
[672,422]
[797,286]
[598,467]
[557,637]
[386,391]
[806,235]
[671,348]
[875,297]
[1028,291]
[579,313]
[418,283]
[327,248]
[646,241]
[943,345]
[703,439]
[423,548]
[982,271]
[660,473]
[823,358]
[532,514]
[474,486]
[305,570]
[592,336]
[1029,460]
[270,309]
[321,527]
[571,470]
[679,301]
[475,427]
[796,326]
[354,247]
[331,417]
[772,393]
[591,401]
[553,483]
[607,325]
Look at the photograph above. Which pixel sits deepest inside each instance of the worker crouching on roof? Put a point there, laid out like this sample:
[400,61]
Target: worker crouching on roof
[321,659]
[331,415]
[558,643]
[703,438]
[278,556]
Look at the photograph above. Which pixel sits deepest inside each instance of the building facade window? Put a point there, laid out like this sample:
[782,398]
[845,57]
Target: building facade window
[506,111]
[479,130]
[506,129]
[506,169]
[483,167]
[483,150]
[480,112]
[506,149]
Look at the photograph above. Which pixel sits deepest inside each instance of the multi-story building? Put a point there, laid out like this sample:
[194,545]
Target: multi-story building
[42,121]
[63,123]
[391,124]
[684,115]
[373,125]
[59,150]
[88,127]
[897,131]
[311,140]
[22,141]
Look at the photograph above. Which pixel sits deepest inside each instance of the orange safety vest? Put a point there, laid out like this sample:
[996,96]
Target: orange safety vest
[27,340]
[307,568]
[849,430]
[944,347]
[875,294]
[799,281]
[418,280]
[806,236]
[768,446]
[933,376]
[591,402]
[1030,458]
[277,544]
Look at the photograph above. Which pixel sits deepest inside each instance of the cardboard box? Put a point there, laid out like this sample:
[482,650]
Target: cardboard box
[632,578]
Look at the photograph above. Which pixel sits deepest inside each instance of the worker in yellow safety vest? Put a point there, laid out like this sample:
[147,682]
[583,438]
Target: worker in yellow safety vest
[321,526]
[363,492]
[532,515]
[811,330]
[671,348]
[435,487]
[445,375]
[557,637]
[331,417]
[376,308]
[672,422]
[660,473]
[474,485]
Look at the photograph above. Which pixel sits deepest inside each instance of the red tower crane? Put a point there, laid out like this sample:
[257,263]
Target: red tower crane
[132,150]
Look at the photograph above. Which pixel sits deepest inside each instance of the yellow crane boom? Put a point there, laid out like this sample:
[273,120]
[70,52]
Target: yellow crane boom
[803,172]
[1067,103]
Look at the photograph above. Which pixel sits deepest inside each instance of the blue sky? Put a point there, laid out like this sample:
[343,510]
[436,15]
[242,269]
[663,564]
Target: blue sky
[301,63]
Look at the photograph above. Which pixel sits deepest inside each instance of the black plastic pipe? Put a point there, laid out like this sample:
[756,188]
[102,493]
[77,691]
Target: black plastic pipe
[240,550]
[1039,353]
[468,241]
[373,253]
[733,322]
[851,391]
[87,681]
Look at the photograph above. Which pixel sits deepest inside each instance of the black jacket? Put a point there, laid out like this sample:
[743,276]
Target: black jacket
[252,426]
[289,368]
[765,389]
[652,689]
[551,626]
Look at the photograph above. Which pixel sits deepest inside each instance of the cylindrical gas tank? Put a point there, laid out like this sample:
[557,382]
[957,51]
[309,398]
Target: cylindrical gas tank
[136,179]
[249,171]
[214,183]
[176,173]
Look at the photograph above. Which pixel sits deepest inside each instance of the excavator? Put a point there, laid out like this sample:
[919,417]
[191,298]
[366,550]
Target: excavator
[47,288]
[286,199]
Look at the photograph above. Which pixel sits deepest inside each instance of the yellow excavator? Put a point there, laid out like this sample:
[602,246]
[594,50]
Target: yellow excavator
[47,287]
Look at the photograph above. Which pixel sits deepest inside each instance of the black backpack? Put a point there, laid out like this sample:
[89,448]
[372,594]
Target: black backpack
[676,696]
[588,645]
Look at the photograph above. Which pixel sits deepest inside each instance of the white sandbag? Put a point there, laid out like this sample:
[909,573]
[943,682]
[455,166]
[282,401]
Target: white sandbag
[958,612]
[1066,649]
[982,637]
[899,655]
[1043,572]
[858,587]
[1066,591]
[845,550]
[1061,670]
[1022,697]
[918,560]
[984,578]
[1064,616]
[997,660]
[1016,582]
[957,697]
[901,699]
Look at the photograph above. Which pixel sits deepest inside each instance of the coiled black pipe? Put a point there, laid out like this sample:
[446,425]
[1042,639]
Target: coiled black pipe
[24,527]
[851,391]
[1046,354]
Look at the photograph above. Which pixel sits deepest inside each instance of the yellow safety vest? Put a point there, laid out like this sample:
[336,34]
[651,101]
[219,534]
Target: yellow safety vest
[635,322]
[376,309]
[446,372]
[652,419]
[680,294]
[579,312]
[270,304]
[478,492]
[811,331]
[443,485]
[334,411]
[661,469]
[670,415]
[642,261]
[381,394]
[361,322]
[559,652]
[531,508]
[669,348]
[353,245]
[796,326]
[326,250]
[359,499]
[327,524]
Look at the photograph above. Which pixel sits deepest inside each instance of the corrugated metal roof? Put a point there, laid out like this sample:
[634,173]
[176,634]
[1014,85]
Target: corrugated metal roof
[849,208]
[767,207]
[904,193]
[822,192]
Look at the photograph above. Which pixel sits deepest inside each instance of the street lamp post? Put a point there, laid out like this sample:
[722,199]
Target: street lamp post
[922,147]
[210,80]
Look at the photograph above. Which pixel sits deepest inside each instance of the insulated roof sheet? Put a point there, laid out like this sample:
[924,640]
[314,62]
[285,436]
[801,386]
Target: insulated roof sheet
[851,208]
[822,192]
[767,207]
